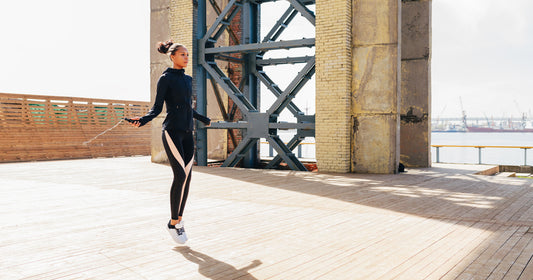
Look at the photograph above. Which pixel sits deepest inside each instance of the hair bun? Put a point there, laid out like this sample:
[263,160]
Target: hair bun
[163,47]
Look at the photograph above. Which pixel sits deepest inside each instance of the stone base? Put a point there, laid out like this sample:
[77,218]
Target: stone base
[374,147]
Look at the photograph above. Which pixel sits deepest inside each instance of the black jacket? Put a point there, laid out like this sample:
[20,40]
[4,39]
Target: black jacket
[174,88]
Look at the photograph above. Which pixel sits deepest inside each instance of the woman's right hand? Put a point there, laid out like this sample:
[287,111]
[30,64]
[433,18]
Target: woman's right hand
[135,121]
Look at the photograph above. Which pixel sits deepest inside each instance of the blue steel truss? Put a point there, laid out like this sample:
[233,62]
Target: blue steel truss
[246,95]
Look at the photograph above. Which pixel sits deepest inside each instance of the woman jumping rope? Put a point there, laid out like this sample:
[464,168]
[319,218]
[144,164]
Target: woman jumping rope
[174,88]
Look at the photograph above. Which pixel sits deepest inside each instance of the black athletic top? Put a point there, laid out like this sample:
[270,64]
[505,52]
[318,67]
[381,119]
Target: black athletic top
[174,88]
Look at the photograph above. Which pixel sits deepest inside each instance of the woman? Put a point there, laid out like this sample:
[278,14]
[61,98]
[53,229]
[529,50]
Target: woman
[174,88]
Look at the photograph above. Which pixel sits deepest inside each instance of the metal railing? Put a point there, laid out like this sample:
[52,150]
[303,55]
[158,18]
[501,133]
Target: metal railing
[525,148]
[437,147]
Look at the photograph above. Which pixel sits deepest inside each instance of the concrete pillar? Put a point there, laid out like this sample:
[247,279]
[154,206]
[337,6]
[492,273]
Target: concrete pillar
[333,84]
[375,86]
[176,19]
[358,85]
[159,31]
[415,124]
[169,19]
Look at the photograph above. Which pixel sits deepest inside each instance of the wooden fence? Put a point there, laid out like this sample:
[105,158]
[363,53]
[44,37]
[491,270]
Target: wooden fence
[35,127]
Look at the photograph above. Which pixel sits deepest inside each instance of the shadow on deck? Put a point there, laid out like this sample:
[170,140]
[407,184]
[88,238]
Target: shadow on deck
[104,219]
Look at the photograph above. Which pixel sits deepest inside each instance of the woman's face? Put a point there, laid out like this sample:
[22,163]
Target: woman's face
[180,58]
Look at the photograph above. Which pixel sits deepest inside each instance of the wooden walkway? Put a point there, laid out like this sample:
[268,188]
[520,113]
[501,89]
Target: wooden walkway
[105,218]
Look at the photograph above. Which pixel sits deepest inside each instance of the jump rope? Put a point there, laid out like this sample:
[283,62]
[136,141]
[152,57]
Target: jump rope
[107,130]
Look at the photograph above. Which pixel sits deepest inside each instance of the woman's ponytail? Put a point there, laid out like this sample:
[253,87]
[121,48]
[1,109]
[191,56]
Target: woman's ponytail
[168,47]
[163,47]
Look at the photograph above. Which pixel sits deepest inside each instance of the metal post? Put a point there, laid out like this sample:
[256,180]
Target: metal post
[479,155]
[438,158]
[201,88]
[251,35]
[300,151]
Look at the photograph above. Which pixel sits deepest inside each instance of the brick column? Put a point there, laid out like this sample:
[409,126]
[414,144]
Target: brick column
[375,86]
[415,128]
[182,27]
[333,84]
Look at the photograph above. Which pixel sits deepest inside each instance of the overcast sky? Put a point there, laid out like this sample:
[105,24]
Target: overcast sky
[97,48]
[482,52]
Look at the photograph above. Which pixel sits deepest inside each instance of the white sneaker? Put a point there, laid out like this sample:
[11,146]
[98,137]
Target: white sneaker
[177,232]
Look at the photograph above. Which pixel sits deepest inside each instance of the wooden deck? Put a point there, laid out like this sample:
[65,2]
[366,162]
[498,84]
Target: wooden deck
[105,218]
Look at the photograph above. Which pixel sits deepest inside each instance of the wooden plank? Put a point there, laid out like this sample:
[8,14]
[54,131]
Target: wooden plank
[510,258]
[482,266]
[525,266]
[101,219]
[357,252]
[438,252]
[522,260]
[38,127]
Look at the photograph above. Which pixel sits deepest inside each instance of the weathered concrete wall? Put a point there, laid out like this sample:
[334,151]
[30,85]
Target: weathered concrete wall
[375,86]
[175,19]
[169,19]
[333,84]
[389,92]
[358,85]
[415,128]
[159,31]
[217,139]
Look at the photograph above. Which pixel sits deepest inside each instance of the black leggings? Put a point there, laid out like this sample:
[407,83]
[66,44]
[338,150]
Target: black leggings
[179,146]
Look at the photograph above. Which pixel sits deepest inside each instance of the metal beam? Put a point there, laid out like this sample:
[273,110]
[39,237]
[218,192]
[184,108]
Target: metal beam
[219,19]
[257,125]
[258,47]
[235,94]
[250,19]
[281,24]
[219,11]
[306,13]
[295,86]
[293,143]
[285,153]
[201,89]
[287,60]
[247,125]
[240,152]
[229,58]
[305,2]
[222,109]
[226,22]
[282,125]
[225,125]
[274,88]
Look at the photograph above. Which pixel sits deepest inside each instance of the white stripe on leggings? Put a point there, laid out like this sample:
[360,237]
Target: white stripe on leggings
[186,169]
